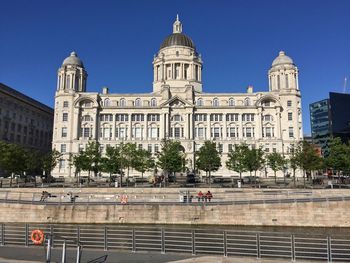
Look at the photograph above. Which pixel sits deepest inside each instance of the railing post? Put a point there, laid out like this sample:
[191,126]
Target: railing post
[2,234]
[133,240]
[163,240]
[193,242]
[329,248]
[225,243]
[105,238]
[258,245]
[292,247]
[26,235]
[78,235]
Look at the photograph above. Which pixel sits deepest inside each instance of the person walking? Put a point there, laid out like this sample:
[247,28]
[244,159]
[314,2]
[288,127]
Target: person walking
[208,196]
[200,196]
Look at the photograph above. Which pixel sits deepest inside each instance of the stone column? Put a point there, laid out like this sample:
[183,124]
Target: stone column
[145,128]
[191,126]
[258,133]
[130,127]
[208,127]
[224,133]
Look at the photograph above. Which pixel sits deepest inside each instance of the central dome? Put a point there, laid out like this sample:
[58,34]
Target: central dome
[177,39]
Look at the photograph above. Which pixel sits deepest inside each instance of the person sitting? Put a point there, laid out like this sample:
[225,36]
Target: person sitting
[208,196]
[200,196]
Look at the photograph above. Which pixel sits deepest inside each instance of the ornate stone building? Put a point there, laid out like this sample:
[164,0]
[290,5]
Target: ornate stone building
[177,108]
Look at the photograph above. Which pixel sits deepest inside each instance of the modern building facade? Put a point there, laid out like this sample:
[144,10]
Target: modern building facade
[177,108]
[330,118]
[24,120]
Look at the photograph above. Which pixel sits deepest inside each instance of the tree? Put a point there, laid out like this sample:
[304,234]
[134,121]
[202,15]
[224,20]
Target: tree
[237,159]
[294,160]
[171,158]
[128,157]
[254,160]
[144,161]
[49,161]
[110,163]
[309,159]
[208,158]
[276,161]
[339,156]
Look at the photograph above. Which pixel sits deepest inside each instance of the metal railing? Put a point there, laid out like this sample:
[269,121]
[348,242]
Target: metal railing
[259,244]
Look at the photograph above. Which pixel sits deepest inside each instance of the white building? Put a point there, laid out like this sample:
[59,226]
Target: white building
[177,108]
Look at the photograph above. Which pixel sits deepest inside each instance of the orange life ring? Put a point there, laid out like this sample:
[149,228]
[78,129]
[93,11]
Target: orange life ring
[37,237]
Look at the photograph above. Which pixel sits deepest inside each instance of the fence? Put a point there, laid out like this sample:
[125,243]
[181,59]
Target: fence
[186,240]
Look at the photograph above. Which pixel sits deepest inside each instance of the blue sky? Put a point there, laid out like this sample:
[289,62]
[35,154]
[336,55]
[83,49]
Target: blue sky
[117,40]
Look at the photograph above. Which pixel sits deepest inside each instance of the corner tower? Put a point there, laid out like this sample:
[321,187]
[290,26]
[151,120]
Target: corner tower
[177,64]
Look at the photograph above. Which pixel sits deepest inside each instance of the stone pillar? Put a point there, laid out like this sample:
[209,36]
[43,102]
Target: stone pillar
[224,133]
[191,126]
[130,127]
[145,128]
[258,133]
[208,127]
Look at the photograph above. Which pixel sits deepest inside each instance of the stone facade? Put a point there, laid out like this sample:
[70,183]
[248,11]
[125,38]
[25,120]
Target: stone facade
[177,108]
[24,120]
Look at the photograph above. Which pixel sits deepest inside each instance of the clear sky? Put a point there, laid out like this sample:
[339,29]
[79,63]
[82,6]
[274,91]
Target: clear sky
[116,40]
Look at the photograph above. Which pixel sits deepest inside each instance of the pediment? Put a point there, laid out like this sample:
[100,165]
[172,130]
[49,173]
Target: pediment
[176,102]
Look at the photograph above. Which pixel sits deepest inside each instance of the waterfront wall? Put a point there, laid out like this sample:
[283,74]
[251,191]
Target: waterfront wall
[313,214]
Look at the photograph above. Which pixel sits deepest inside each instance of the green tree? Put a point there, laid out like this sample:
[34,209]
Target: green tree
[144,161]
[237,159]
[339,156]
[208,158]
[276,162]
[50,161]
[254,160]
[171,159]
[294,161]
[309,159]
[128,158]
[110,163]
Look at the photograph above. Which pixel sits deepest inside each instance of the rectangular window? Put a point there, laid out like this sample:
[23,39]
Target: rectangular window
[65,104]
[220,147]
[64,132]
[291,132]
[248,117]
[121,117]
[65,116]
[200,117]
[140,146]
[231,132]
[216,132]
[290,116]
[248,132]
[106,117]
[62,164]
[177,132]
[153,117]
[137,132]
[200,132]
[137,117]
[230,147]
[156,148]
[153,132]
[63,148]
[86,132]
[149,148]
[232,117]
[289,103]
[216,117]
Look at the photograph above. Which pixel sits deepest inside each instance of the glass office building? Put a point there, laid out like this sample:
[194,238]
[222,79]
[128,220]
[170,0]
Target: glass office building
[330,118]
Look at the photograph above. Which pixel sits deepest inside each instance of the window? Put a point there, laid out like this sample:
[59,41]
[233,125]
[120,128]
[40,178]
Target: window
[86,118]
[140,146]
[63,148]
[246,102]
[106,117]
[268,132]
[149,148]
[65,104]
[65,116]
[64,132]
[220,147]
[200,117]
[86,132]
[231,102]
[290,116]
[216,117]
[216,132]
[232,117]
[248,117]
[138,103]
[62,164]
[156,148]
[200,132]
[137,117]
[68,82]
[289,103]
[267,117]
[106,132]
[153,102]
[177,132]
[153,117]
[230,147]
[121,117]
[153,132]
[216,102]
[291,132]
[176,118]
[81,148]
[199,102]
[121,132]
[122,103]
[107,103]
[86,104]
[232,132]
[137,132]
[248,132]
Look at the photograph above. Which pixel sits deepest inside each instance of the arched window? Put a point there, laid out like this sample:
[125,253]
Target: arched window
[107,103]
[200,102]
[86,118]
[153,102]
[215,102]
[231,102]
[246,102]
[137,102]
[122,103]
[176,117]
[86,104]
